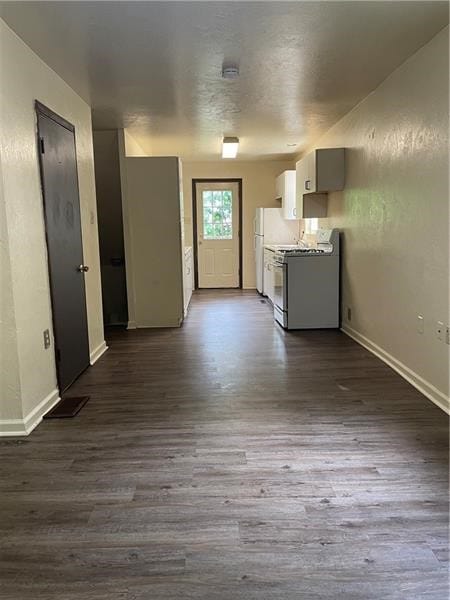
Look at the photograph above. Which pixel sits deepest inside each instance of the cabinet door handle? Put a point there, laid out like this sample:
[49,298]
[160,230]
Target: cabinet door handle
[308,184]
[294,211]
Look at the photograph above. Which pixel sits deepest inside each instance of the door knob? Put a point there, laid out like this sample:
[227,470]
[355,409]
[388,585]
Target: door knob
[83,268]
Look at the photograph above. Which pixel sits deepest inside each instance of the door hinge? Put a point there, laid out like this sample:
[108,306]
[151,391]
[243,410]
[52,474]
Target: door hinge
[41,144]
[58,355]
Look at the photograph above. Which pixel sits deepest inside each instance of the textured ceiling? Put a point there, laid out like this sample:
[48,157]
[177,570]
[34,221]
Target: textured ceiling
[155,67]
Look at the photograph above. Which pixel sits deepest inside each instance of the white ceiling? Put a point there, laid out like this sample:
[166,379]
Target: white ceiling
[155,67]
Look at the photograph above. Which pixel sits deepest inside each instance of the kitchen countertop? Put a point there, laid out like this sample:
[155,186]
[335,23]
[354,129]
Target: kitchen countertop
[275,247]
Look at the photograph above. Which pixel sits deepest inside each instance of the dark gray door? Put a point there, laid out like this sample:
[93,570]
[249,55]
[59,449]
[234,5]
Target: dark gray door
[65,253]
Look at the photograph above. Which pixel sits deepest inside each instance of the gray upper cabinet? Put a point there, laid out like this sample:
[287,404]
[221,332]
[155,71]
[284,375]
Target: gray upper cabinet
[318,173]
[321,171]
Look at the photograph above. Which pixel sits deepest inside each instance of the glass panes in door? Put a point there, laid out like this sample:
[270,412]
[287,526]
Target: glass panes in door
[217,214]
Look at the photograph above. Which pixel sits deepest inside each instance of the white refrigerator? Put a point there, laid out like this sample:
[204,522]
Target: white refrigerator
[271,228]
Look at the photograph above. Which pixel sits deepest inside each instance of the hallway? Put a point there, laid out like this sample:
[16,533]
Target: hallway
[230,460]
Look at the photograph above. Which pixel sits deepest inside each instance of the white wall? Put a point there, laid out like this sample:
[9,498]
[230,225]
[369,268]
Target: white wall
[26,309]
[394,214]
[10,403]
[132,147]
[258,189]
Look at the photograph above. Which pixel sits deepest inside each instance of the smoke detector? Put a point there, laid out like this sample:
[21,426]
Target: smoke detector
[230,72]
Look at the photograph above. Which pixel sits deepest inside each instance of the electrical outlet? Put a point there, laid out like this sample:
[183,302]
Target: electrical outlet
[440,330]
[46,339]
[420,324]
[447,335]
[349,313]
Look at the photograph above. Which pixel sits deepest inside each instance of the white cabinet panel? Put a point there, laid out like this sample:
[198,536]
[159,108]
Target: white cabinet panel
[258,241]
[153,210]
[188,278]
[285,189]
[268,275]
[279,182]
[300,174]
[310,181]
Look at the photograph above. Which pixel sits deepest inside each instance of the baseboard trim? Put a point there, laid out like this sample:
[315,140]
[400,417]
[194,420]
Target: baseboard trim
[421,384]
[98,352]
[131,325]
[171,325]
[20,427]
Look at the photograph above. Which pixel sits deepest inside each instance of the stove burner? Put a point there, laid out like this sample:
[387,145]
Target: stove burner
[303,251]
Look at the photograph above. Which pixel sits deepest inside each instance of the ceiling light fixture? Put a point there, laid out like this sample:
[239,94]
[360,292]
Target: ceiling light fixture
[230,147]
[230,72]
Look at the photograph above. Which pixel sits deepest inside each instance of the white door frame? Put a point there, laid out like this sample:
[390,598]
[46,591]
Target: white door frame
[195,224]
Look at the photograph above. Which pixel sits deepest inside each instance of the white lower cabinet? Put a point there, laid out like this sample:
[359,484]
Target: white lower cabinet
[188,277]
[268,275]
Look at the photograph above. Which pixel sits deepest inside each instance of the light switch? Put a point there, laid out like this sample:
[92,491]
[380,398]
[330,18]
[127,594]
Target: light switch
[420,324]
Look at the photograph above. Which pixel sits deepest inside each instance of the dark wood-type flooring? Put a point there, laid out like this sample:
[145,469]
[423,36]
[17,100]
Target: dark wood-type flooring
[230,460]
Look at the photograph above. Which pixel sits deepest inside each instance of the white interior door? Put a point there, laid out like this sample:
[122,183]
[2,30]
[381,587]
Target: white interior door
[218,234]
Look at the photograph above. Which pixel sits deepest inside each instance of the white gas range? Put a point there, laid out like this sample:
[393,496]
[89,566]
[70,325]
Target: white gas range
[306,283]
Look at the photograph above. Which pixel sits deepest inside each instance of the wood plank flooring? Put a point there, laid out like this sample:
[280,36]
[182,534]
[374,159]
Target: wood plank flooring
[230,460]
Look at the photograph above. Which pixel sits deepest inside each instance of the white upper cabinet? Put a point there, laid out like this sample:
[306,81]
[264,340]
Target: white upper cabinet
[285,189]
[279,183]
